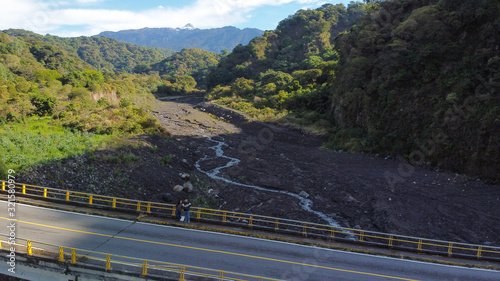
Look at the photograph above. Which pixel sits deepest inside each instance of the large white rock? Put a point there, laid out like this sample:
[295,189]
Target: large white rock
[178,188]
[188,186]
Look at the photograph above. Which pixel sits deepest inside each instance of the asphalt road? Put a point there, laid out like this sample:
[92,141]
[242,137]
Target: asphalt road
[221,251]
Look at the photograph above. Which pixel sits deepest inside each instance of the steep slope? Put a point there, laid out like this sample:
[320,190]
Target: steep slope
[412,79]
[213,40]
[420,79]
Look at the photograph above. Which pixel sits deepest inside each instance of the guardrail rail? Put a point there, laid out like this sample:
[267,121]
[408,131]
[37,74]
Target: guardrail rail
[434,246]
[116,263]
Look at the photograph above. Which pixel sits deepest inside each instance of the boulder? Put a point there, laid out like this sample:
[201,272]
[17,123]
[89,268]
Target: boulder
[178,188]
[304,194]
[188,186]
[185,176]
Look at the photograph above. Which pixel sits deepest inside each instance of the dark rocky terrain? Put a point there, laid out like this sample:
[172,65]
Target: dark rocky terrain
[356,190]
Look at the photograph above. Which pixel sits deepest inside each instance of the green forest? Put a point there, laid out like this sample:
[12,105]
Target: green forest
[414,79]
[409,78]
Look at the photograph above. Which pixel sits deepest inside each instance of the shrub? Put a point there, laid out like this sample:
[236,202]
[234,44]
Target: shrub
[3,170]
[44,105]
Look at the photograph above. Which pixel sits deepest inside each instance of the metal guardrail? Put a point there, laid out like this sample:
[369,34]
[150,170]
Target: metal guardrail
[107,262]
[265,222]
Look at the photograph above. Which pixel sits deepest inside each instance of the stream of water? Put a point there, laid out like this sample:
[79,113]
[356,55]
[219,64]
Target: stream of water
[305,203]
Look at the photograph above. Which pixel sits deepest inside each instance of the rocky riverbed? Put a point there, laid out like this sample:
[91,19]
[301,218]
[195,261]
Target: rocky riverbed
[238,164]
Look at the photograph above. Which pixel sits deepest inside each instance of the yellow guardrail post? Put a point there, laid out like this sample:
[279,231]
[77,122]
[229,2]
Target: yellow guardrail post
[45,192]
[304,229]
[3,186]
[198,214]
[250,221]
[29,249]
[450,248]
[148,207]
[138,206]
[332,232]
[420,244]
[361,236]
[67,195]
[108,262]
[91,197]
[221,275]
[173,210]
[61,254]
[145,268]
[73,256]
[391,238]
[224,215]
[114,202]
[24,189]
[183,271]
[479,252]
[277,224]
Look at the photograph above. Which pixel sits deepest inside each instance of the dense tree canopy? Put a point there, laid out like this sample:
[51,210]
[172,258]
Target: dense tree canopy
[397,77]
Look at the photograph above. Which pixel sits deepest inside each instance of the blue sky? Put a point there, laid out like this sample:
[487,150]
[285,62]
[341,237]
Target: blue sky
[89,17]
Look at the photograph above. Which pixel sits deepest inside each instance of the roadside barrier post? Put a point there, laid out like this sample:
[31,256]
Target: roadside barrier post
[61,254]
[332,232]
[24,189]
[304,230]
[29,249]
[145,268]
[45,192]
[479,252]
[183,270]
[73,256]
[148,207]
[114,202]
[173,211]
[108,262]
[277,225]
[3,186]
[450,249]
[391,238]
[90,198]
[224,216]
[138,206]
[67,195]
[250,221]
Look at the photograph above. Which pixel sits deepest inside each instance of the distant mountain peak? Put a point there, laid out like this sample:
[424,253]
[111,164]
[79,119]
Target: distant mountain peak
[188,26]
[212,40]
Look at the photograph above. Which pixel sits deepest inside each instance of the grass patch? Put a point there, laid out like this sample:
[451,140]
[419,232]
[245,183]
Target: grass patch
[38,140]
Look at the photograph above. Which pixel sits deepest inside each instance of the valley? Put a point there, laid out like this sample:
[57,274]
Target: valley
[280,171]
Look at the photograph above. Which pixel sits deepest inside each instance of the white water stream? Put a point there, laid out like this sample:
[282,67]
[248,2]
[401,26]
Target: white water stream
[305,203]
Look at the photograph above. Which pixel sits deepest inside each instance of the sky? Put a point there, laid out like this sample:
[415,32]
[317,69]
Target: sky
[70,18]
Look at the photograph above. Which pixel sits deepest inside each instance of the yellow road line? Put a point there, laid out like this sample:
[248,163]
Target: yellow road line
[215,251]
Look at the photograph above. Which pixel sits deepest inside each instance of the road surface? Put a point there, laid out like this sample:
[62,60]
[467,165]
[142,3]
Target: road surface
[221,251]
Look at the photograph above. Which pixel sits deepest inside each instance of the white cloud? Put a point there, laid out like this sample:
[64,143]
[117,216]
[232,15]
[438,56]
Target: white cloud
[88,1]
[44,18]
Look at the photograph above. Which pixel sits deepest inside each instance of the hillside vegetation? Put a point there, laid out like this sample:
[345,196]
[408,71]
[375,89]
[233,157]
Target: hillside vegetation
[53,104]
[420,79]
[102,53]
[415,79]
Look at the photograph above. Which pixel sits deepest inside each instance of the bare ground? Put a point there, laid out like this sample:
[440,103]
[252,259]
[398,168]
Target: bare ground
[357,190]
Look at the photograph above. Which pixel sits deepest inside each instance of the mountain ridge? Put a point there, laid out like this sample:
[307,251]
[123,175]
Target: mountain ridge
[213,40]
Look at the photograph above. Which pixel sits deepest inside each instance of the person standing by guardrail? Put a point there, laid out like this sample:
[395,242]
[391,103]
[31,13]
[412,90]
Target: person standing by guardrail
[178,210]
[186,206]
